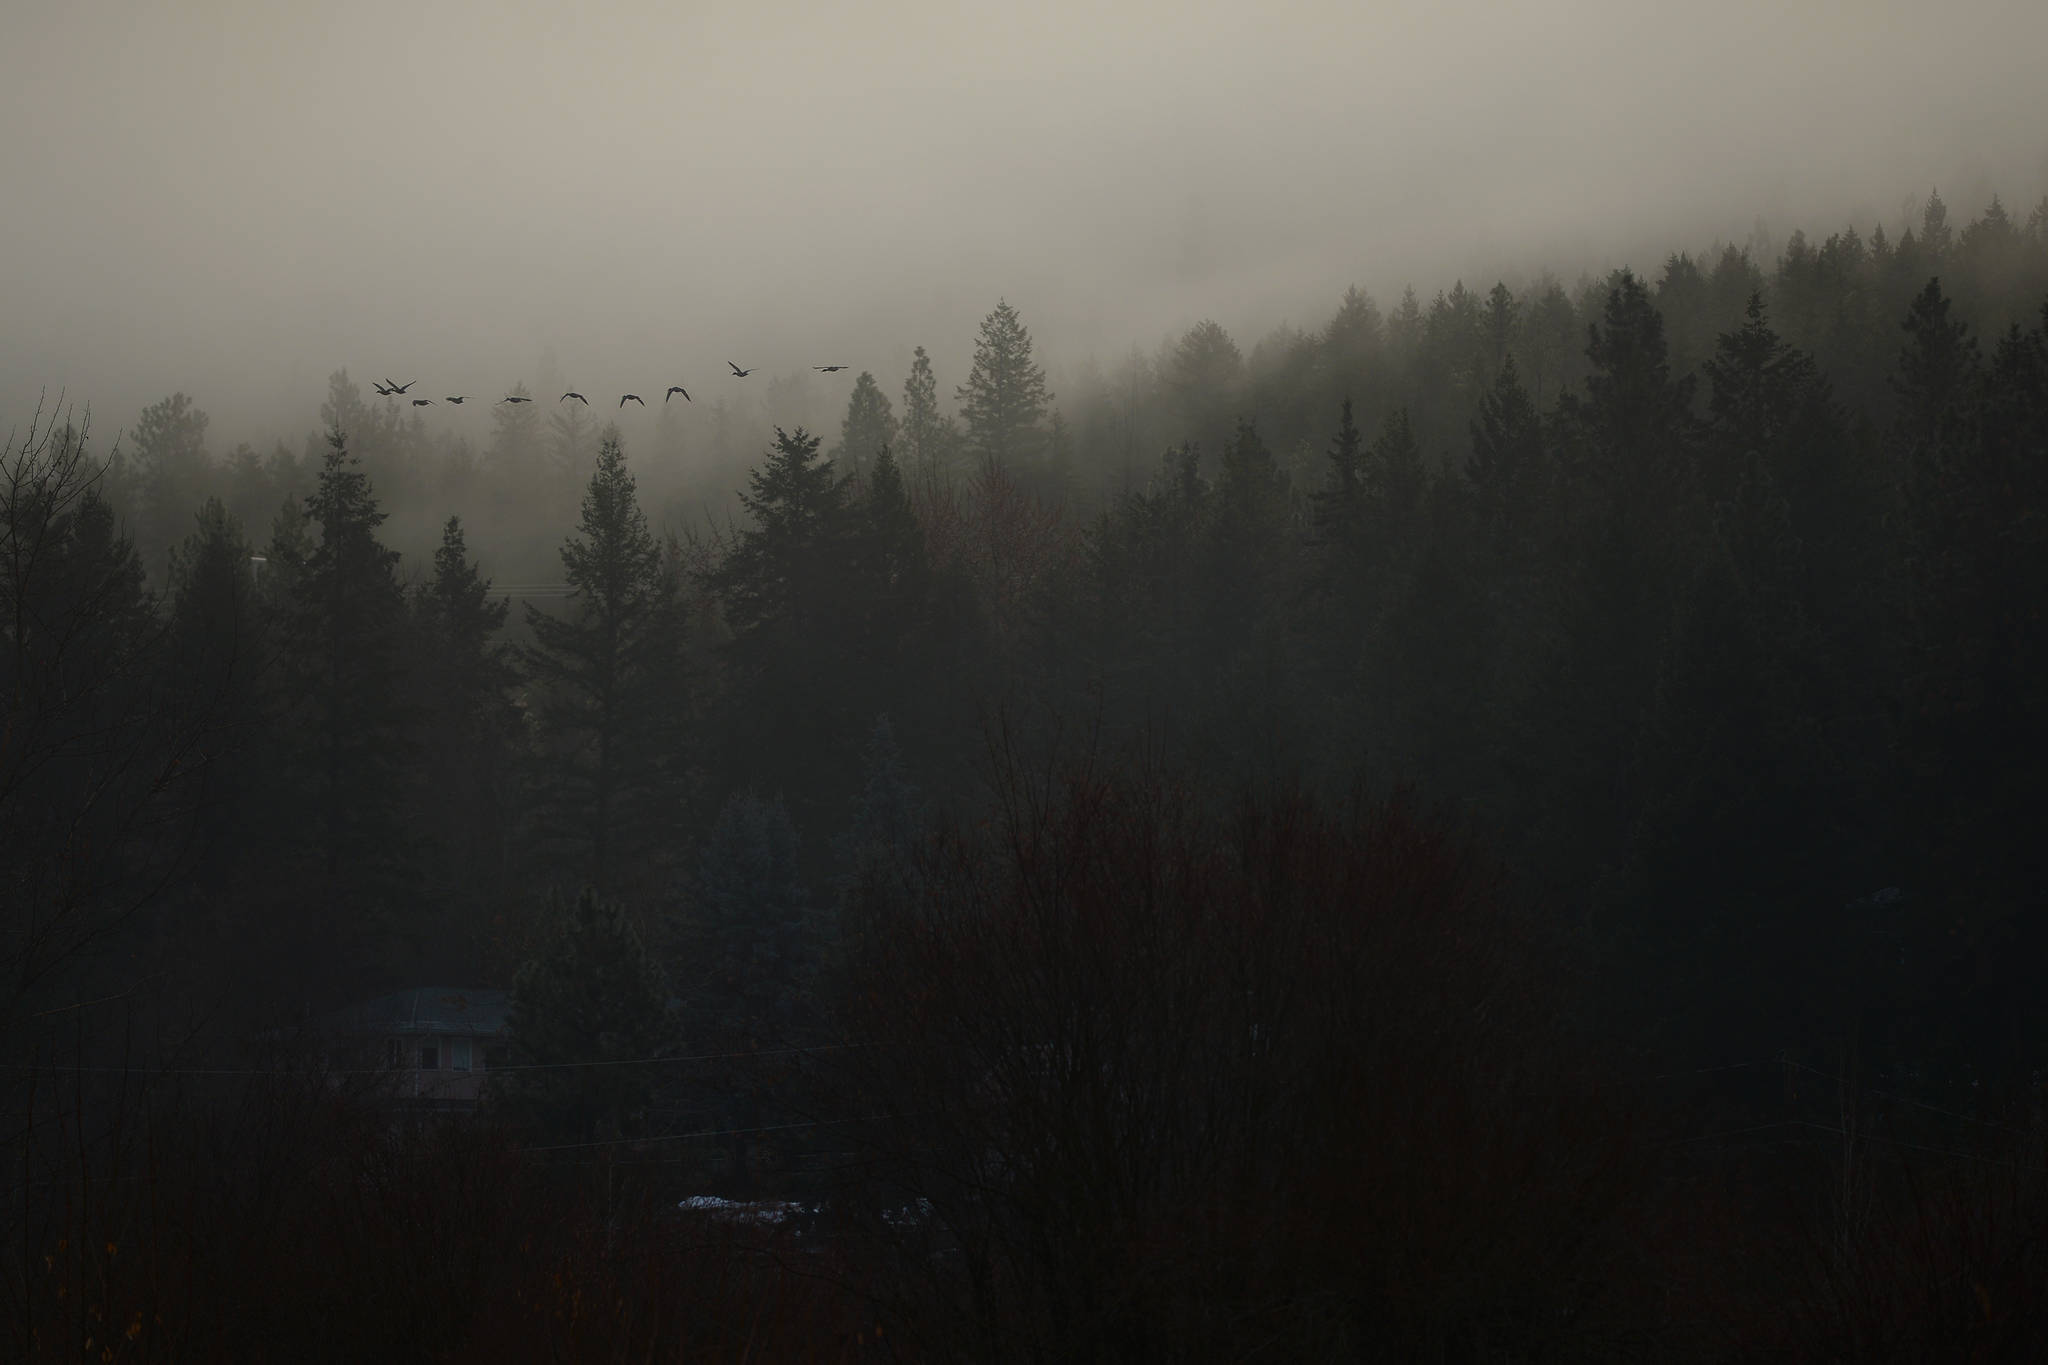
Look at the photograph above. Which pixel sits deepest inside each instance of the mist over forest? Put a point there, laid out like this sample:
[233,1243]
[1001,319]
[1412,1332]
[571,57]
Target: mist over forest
[885,685]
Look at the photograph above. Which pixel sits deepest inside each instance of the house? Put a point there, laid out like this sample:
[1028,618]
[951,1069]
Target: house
[437,1042]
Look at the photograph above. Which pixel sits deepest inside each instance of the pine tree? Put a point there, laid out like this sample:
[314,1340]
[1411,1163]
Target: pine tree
[593,996]
[1503,318]
[465,680]
[168,466]
[572,431]
[217,652]
[926,449]
[1507,466]
[869,426]
[1394,479]
[1247,535]
[792,592]
[1204,372]
[1353,341]
[611,675]
[1635,423]
[1339,501]
[515,447]
[1005,396]
[343,629]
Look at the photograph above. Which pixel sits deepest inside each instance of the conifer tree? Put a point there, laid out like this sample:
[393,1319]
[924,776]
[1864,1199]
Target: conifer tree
[869,425]
[1353,339]
[790,588]
[1005,396]
[470,737]
[571,433]
[168,466]
[1204,371]
[611,675]
[926,447]
[1506,468]
[217,652]
[342,633]
[515,447]
[1394,479]
[1338,502]
[1503,318]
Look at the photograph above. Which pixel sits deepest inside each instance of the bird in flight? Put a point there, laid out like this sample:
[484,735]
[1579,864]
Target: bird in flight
[401,388]
[675,389]
[457,401]
[382,392]
[740,372]
[635,397]
[830,369]
[514,398]
[421,402]
[577,396]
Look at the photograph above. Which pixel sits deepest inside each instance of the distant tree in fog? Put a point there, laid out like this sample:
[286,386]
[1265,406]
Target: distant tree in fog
[167,466]
[869,425]
[1005,396]
[515,445]
[610,674]
[928,438]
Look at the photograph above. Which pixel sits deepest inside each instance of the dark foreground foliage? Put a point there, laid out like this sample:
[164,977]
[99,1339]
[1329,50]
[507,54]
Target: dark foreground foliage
[1141,1072]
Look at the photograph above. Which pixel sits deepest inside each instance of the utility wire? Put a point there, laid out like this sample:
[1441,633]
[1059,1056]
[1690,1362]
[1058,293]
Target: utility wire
[401,1070]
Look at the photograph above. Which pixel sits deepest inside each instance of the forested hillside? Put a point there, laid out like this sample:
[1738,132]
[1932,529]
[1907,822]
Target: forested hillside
[1662,654]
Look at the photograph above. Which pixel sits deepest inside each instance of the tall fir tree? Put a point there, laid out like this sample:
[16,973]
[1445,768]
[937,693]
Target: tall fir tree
[167,466]
[1508,465]
[1005,396]
[868,427]
[218,649]
[789,587]
[927,444]
[471,738]
[614,707]
[341,678]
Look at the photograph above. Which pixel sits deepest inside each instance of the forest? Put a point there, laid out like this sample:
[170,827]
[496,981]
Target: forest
[1498,826]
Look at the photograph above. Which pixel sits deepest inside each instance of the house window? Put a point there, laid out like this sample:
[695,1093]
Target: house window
[430,1057]
[458,1053]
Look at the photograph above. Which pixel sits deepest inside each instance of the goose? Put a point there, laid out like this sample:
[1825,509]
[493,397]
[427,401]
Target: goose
[635,397]
[830,369]
[675,389]
[514,398]
[382,392]
[457,401]
[740,372]
[422,402]
[401,388]
[577,396]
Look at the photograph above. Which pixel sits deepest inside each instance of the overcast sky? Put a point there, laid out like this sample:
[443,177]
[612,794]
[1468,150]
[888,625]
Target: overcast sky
[235,198]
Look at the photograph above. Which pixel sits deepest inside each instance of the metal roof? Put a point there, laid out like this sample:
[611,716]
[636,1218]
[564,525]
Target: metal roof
[458,1010]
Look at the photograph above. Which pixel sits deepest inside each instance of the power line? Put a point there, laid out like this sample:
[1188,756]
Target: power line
[399,1070]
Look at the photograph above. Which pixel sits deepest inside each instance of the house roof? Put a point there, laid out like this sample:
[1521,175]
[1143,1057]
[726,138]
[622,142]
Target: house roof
[458,1010]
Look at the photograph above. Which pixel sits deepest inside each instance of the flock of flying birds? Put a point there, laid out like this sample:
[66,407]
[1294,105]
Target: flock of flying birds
[390,390]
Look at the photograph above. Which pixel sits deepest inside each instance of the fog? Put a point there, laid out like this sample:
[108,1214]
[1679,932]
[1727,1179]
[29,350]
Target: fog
[235,199]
